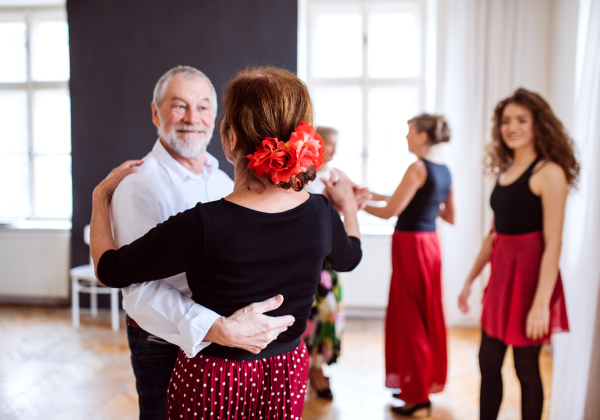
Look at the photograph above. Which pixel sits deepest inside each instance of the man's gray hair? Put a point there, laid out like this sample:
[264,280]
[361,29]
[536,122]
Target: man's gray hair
[183,71]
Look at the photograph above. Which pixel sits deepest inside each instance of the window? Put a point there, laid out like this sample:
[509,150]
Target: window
[363,62]
[35,114]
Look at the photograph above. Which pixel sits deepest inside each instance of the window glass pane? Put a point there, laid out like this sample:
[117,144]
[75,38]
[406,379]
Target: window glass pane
[386,171]
[341,108]
[389,109]
[13,52]
[14,186]
[52,121]
[13,120]
[50,55]
[336,46]
[394,45]
[351,165]
[53,197]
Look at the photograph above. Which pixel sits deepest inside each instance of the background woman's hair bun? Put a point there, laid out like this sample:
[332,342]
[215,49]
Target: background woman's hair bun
[435,126]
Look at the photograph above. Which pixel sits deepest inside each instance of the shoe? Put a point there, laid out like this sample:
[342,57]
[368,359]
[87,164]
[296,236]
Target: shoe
[410,411]
[322,393]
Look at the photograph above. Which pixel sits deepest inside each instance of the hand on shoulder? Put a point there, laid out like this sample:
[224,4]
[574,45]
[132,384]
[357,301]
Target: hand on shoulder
[105,189]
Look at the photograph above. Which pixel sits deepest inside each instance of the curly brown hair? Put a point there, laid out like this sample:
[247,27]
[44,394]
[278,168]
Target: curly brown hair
[268,102]
[551,139]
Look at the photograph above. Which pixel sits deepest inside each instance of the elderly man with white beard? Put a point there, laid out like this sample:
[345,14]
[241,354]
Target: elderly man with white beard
[175,175]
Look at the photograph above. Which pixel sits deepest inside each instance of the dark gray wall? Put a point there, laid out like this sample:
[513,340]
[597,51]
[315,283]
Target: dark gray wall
[119,49]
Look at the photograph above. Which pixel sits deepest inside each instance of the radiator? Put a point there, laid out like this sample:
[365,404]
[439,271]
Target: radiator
[34,263]
[368,285]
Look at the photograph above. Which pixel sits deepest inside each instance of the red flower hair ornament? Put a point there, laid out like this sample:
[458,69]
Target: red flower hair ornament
[281,161]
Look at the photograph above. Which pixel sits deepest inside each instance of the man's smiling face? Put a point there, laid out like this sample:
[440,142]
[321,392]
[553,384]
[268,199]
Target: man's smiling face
[186,117]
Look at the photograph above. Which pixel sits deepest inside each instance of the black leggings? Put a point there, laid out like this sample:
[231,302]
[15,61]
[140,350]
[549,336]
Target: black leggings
[491,357]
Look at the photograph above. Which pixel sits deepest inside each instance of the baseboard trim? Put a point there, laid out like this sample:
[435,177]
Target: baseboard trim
[34,301]
[356,312]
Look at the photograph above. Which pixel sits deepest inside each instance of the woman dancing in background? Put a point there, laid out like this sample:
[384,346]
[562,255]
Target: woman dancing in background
[415,330]
[524,301]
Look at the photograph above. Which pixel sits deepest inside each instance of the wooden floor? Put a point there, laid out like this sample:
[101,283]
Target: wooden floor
[48,370]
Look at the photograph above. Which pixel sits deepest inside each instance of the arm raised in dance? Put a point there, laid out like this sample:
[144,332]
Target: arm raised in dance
[413,179]
[101,237]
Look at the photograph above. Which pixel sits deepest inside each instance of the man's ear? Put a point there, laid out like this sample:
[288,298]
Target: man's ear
[155,117]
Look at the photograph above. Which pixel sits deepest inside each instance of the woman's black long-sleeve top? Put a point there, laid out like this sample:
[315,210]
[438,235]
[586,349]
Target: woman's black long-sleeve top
[234,256]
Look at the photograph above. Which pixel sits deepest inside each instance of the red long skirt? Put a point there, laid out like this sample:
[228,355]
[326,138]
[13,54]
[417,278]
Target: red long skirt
[416,358]
[516,261]
[206,387]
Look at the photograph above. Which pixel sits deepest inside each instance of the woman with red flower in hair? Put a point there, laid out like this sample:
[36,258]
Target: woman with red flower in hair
[268,237]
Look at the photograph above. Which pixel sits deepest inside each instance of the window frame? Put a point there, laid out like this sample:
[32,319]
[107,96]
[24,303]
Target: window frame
[30,87]
[308,10]
[307,15]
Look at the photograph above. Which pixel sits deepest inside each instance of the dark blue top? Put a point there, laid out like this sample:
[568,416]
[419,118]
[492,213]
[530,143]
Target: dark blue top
[234,256]
[516,209]
[424,208]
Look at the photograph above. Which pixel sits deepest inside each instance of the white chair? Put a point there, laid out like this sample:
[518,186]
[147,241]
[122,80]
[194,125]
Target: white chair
[83,280]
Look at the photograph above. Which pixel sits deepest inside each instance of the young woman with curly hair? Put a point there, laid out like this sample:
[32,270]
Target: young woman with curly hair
[532,156]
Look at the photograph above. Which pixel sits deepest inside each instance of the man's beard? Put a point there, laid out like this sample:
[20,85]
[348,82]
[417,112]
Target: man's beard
[186,145]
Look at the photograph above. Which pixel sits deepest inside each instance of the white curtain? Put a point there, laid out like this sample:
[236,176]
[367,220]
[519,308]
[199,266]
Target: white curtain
[576,379]
[485,50]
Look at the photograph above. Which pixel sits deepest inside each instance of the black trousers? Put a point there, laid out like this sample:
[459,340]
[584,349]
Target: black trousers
[153,360]
[527,365]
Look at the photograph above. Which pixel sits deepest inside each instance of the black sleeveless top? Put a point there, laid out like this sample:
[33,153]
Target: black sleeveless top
[423,209]
[516,209]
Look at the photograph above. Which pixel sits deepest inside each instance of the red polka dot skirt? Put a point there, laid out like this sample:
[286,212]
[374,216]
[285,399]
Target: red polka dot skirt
[206,387]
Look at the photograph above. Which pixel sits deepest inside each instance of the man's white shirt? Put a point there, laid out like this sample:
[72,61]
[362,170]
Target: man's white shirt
[161,188]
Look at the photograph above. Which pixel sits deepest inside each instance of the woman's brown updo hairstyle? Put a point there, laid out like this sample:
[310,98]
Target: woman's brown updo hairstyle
[551,139]
[267,102]
[435,126]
